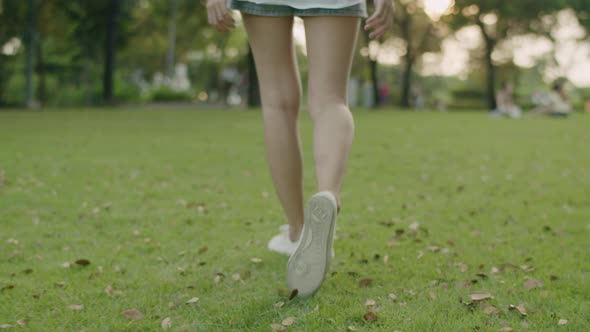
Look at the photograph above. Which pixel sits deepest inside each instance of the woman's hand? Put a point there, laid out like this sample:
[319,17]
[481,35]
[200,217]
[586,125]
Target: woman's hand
[382,19]
[219,16]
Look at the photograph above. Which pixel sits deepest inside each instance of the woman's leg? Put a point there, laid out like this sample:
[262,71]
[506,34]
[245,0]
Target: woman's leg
[271,39]
[330,47]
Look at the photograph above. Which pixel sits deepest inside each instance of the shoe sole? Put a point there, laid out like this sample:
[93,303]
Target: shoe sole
[307,267]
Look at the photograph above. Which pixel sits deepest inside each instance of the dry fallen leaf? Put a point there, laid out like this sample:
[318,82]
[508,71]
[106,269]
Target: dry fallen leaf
[279,304]
[562,321]
[76,307]
[392,296]
[432,295]
[166,323]
[370,316]
[66,265]
[462,267]
[365,282]
[5,326]
[351,328]
[236,277]
[203,250]
[256,260]
[22,322]
[60,283]
[278,327]
[489,309]
[520,308]
[385,259]
[506,329]
[480,296]
[370,303]
[434,248]
[132,314]
[532,283]
[288,321]
[193,300]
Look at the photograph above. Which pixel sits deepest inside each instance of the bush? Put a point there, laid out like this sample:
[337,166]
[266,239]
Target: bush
[165,94]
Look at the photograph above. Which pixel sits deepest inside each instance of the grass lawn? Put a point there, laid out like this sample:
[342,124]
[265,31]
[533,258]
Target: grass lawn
[168,206]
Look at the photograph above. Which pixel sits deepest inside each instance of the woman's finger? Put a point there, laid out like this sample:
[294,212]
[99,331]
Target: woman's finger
[210,16]
[377,13]
[229,21]
[379,32]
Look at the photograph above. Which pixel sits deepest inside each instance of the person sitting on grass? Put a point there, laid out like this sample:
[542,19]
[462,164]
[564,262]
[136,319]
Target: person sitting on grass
[555,103]
[505,105]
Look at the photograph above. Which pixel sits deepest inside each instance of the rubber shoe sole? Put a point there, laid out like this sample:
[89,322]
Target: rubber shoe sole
[309,264]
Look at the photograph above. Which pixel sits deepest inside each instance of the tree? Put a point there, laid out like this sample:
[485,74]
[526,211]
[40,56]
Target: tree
[110,49]
[419,35]
[30,44]
[100,29]
[13,19]
[498,20]
[582,8]
[171,38]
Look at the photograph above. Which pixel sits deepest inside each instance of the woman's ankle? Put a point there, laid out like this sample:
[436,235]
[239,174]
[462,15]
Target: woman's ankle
[295,232]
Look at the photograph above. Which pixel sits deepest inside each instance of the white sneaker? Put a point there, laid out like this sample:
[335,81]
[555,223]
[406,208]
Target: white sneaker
[282,244]
[308,265]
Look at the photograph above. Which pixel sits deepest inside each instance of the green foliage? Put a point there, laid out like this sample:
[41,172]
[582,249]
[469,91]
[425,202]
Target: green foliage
[165,94]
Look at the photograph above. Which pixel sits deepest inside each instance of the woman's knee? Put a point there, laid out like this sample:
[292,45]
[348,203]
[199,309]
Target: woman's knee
[282,102]
[320,103]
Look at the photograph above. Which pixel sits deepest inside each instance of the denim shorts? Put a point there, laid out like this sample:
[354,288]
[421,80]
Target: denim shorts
[251,8]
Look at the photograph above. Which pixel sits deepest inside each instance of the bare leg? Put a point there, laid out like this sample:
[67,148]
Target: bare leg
[330,46]
[271,39]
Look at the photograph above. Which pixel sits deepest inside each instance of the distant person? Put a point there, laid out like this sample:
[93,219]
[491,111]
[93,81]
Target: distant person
[555,103]
[331,28]
[505,105]
[418,99]
[384,92]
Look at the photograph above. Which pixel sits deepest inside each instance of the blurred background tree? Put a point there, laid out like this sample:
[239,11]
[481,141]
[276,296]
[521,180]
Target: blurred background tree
[69,53]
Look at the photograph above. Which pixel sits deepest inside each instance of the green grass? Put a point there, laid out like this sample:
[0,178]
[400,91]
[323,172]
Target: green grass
[139,193]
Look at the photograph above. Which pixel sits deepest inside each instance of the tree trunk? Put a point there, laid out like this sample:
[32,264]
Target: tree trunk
[171,38]
[408,65]
[373,66]
[375,82]
[491,80]
[29,54]
[253,86]
[491,69]
[110,50]
[407,80]
[41,84]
